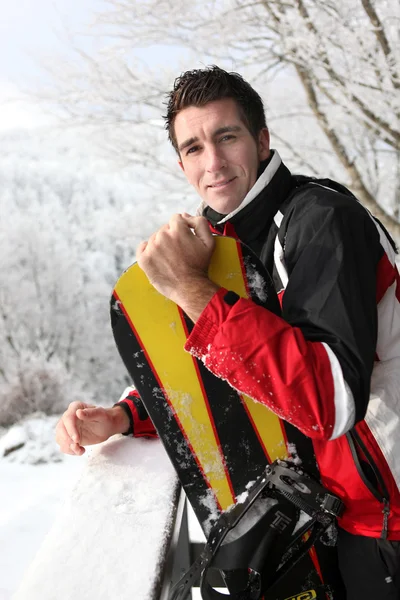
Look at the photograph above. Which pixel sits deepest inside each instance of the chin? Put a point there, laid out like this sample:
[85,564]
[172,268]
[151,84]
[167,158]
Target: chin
[228,207]
[221,206]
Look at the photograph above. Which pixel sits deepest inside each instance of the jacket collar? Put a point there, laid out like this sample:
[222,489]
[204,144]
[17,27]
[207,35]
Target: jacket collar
[256,212]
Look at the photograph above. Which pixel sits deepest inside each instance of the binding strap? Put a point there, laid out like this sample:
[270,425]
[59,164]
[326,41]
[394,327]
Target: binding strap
[262,548]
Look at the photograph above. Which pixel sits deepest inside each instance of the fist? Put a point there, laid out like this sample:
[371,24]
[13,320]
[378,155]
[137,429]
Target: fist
[177,255]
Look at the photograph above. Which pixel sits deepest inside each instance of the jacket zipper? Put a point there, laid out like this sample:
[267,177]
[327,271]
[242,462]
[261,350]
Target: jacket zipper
[355,440]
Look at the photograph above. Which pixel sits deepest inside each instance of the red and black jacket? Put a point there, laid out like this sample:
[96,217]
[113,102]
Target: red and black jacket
[333,267]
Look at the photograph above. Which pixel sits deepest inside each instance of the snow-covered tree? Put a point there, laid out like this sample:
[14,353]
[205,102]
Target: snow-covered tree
[68,229]
[329,72]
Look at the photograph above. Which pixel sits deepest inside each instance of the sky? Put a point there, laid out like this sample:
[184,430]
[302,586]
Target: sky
[32,31]
[31,28]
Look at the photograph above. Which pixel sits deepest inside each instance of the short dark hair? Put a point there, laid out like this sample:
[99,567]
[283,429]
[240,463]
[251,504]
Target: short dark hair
[201,86]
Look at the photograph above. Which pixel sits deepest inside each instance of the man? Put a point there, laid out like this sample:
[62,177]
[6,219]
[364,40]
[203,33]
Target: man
[331,365]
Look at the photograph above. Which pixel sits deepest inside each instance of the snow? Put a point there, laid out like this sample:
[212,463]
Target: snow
[120,508]
[108,507]
[250,518]
[209,502]
[256,282]
[29,501]
[33,440]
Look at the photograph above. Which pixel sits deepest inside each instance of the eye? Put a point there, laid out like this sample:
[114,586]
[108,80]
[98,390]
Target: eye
[227,137]
[192,150]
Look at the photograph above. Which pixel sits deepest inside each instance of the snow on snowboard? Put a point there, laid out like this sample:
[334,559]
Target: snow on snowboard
[221,443]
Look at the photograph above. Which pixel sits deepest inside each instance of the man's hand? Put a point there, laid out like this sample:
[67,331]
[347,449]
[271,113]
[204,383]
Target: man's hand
[85,424]
[176,260]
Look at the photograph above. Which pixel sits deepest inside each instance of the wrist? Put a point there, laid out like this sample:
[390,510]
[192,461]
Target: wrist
[193,295]
[120,420]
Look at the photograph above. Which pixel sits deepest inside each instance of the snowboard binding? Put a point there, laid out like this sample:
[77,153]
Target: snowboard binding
[258,541]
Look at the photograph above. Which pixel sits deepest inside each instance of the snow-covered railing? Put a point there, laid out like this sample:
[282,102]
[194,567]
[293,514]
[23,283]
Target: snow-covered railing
[121,534]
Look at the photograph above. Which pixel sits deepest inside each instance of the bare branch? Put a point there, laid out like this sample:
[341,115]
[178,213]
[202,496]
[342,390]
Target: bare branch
[382,39]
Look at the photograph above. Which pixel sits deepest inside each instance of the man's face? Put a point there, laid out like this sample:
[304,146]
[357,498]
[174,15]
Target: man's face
[218,154]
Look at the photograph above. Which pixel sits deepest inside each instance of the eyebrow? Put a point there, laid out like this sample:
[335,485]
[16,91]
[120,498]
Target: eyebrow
[219,131]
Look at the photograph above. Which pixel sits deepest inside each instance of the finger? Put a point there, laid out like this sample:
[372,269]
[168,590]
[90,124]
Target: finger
[68,450]
[177,218]
[186,215]
[62,437]
[67,426]
[91,414]
[181,222]
[76,449]
[201,229]
[67,446]
[70,421]
[140,249]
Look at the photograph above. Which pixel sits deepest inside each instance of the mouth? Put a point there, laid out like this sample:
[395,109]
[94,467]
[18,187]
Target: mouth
[221,184]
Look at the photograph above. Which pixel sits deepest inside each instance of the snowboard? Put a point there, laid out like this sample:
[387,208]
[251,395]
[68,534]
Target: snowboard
[219,440]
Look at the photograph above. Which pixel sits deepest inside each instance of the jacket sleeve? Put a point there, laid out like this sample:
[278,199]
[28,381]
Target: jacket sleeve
[140,422]
[313,365]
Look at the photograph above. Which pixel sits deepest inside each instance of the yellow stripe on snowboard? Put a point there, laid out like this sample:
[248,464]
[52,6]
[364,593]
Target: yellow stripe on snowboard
[268,427]
[267,424]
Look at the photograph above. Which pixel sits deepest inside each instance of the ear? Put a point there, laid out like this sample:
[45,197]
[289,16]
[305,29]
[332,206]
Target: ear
[180,163]
[263,144]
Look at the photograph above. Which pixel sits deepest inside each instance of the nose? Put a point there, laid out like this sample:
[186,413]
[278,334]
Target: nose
[215,160]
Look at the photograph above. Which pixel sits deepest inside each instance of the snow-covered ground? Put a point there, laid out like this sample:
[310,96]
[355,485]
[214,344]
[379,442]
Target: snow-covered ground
[109,508]
[37,483]
[30,499]
[32,492]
